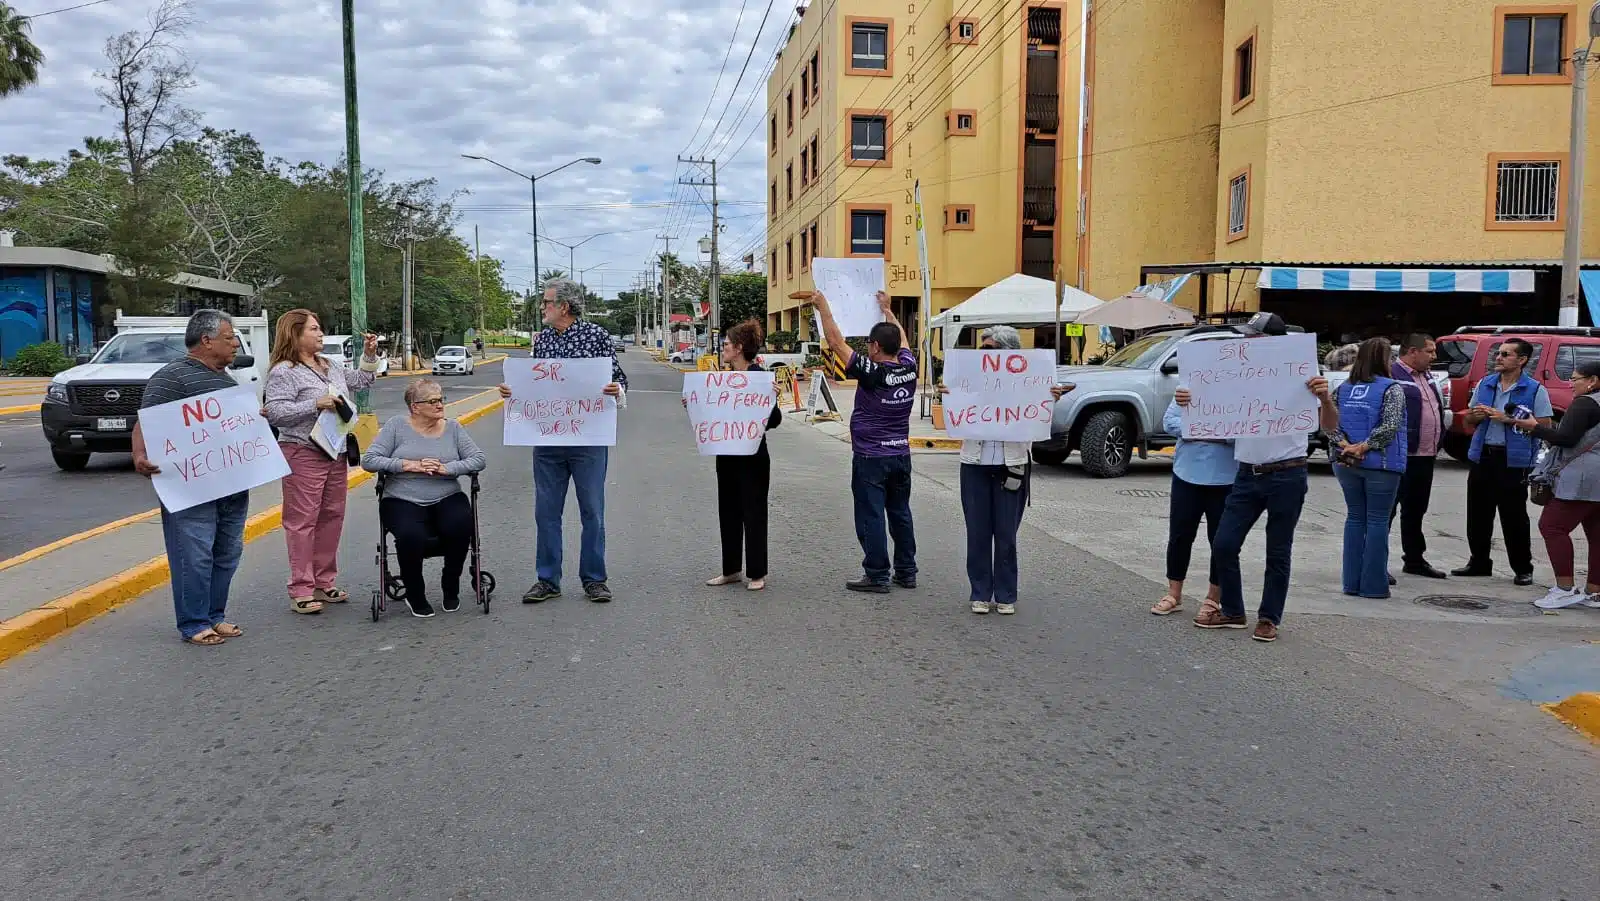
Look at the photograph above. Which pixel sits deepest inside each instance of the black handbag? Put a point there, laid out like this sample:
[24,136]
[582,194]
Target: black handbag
[352,451]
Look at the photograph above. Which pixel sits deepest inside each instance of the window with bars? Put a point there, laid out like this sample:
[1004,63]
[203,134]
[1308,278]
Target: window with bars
[869,46]
[867,231]
[868,136]
[1527,191]
[1533,44]
[1238,206]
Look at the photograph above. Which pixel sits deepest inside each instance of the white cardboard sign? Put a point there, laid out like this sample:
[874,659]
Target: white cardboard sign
[210,446]
[999,395]
[1249,387]
[559,403]
[851,285]
[729,410]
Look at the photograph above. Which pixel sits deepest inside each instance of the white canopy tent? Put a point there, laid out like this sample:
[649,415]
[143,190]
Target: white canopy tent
[1019,300]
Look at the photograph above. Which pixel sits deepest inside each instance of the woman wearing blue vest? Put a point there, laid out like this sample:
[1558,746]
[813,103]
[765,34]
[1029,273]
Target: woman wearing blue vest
[1372,456]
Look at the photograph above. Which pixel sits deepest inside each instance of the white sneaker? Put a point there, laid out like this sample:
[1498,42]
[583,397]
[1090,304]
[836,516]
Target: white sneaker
[1592,600]
[1005,609]
[1559,597]
[980,607]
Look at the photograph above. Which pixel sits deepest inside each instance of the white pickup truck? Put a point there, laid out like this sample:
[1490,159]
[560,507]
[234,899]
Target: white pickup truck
[793,361]
[92,407]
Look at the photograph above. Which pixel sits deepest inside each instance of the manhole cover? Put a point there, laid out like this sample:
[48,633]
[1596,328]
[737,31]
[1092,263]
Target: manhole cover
[1142,492]
[1483,606]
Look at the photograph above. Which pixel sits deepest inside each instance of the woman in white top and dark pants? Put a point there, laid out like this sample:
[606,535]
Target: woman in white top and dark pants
[994,491]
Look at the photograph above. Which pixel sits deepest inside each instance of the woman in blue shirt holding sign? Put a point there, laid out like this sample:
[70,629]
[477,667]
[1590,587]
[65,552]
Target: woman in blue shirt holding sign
[1202,475]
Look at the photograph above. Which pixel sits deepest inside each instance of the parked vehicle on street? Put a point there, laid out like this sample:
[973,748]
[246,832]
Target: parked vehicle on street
[619,345]
[1465,354]
[342,350]
[92,407]
[797,361]
[682,356]
[452,360]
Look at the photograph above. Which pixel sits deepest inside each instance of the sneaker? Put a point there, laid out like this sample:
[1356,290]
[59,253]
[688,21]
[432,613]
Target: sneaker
[1592,600]
[867,585]
[420,607]
[597,592]
[451,605]
[906,581]
[541,591]
[981,607]
[1266,630]
[1005,609]
[1216,619]
[1559,597]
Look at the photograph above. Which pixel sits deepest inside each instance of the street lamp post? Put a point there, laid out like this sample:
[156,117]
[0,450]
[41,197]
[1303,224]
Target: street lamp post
[572,250]
[533,199]
[1572,248]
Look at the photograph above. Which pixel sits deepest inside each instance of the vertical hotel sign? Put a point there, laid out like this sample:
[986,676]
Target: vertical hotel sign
[927,297]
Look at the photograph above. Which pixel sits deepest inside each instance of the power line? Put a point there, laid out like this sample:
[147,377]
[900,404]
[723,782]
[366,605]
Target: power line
[739,80]
[720,72]
[65,9]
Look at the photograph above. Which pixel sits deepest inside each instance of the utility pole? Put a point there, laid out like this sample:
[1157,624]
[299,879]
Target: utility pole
[408,258]
[477,258]
[666,293]
[1572,248]
[714,327]
[358,250]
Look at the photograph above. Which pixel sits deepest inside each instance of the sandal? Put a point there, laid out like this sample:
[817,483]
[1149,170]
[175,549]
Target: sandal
[227,630]
[305,605]
[1209,606]
[207,638]
[332,595]
[1167,606]
[720,581]
[756,585]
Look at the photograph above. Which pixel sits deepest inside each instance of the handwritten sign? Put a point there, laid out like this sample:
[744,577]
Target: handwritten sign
[729,410]
[210,446]
[999,395]
[560,403]
[1249,388]
[851,286]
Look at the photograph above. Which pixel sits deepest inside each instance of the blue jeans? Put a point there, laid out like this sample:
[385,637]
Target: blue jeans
[1368,500]
[993,517]
[1280,495]
[881,487]
[586,468]
[204,545]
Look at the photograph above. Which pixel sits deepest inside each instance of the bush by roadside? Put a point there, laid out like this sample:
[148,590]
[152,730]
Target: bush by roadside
[39,360]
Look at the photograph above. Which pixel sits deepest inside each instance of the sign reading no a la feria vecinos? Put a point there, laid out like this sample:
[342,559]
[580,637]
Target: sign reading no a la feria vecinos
[999,395]
[728,410]
[210,446]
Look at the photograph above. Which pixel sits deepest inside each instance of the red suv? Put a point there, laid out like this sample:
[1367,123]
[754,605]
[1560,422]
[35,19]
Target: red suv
[1465,354]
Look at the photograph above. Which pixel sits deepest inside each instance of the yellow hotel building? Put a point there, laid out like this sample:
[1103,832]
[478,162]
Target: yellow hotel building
[1362,166]
[975,100]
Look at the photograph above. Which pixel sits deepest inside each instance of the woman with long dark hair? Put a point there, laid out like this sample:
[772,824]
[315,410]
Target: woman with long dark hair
[1572,471]
[743,481]
[1371,457]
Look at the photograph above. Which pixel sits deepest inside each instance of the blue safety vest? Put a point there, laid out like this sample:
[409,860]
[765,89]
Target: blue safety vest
[1360,410]
[1519,444]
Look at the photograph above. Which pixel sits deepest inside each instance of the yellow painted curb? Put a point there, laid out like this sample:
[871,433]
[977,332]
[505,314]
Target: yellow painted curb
[25,408]
[27,630]
[95,532]
[1581,712]
[925,443]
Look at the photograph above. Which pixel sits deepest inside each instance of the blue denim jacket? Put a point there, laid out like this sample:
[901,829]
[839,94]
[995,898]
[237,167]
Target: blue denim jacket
[1199,462]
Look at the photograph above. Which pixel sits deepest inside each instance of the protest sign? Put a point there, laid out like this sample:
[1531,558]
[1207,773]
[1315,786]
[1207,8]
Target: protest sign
[851,286]
[999,395]
[560,403]
[210,446]
[1250,387]
[728,410]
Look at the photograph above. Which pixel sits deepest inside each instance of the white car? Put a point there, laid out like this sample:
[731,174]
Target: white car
[341,349]
[682,356]
[452,360]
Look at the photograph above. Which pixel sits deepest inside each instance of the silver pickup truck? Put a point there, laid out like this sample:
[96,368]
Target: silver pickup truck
[1114,409]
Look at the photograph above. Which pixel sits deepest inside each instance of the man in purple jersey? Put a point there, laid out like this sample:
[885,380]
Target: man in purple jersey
[880,434]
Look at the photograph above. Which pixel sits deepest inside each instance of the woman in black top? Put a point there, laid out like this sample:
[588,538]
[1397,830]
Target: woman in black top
[742,482]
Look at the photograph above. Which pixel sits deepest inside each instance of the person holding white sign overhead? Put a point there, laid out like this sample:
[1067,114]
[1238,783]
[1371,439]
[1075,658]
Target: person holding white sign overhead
[302,387]
[995,477]
[567,336]
[1271,480]
[204,542]
[880,434]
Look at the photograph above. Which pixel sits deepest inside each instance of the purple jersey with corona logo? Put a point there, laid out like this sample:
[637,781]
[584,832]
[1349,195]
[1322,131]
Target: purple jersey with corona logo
[880,425]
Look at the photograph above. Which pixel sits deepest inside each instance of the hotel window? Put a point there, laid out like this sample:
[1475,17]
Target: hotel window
[869,139]
[772,135]
[1527,193]
[958,217]
[964,31]
[1532,45]
[772,199]
[1239,206]
[788,258]
[788,104]
[961,122]
[1244,72]
[869,47]
[805,251]
[816,73]
[788,181]
[805,89]
[867,229]
[805,167]
[816,160]
[816,239]
[774,270]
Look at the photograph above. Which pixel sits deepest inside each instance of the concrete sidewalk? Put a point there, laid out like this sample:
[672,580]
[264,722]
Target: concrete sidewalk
[925,438]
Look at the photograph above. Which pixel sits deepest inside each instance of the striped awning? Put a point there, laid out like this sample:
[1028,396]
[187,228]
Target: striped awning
[1427,281]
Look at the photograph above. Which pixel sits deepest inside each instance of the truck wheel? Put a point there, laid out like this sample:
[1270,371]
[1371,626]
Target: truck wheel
[70,462]
[1049,457]
[1106,445]
[1457,446]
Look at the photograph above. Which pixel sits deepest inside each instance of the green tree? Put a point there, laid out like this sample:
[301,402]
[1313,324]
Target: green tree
[20,59]
[741,296]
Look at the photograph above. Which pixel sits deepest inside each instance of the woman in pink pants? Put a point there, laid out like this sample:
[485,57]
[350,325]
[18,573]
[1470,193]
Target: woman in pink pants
[301,386]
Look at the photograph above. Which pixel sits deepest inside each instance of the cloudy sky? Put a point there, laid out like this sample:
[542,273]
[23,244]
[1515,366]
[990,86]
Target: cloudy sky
[532,85]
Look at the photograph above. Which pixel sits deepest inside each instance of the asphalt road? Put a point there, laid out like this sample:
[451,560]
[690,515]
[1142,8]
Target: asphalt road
[39,503]
[802,743]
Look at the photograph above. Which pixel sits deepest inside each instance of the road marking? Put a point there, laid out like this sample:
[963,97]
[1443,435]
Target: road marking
[95,532]
[25,408]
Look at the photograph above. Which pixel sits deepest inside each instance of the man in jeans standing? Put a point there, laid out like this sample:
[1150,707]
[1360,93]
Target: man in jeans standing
[567,336]
[1271,480]
[206,541]
[1500,458]
[1424,429]
[880,435]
